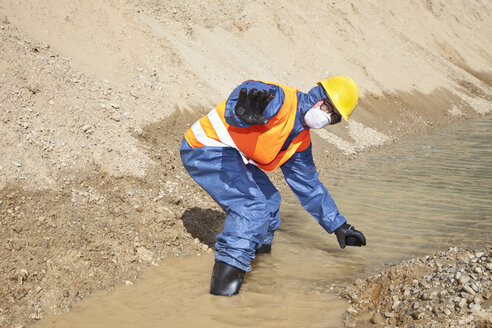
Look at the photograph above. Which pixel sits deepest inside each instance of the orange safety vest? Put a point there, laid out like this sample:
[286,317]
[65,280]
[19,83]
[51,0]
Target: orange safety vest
[258,144]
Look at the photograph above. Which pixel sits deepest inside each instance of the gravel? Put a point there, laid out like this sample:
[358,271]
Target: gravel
[447,289]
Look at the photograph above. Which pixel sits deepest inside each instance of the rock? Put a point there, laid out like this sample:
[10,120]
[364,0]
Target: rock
[16,163]
[389,314]
[464,279]
[144,254]
[469,290]
[489,266]
[474,307]
[351,310]
[86,128]
[475,287]
[478,270]
[426,297]
[377,319]
[66,293]
[447,311]
[128,283]
[462,303]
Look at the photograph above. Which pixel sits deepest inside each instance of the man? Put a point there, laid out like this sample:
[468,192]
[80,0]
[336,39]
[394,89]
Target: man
[264,126]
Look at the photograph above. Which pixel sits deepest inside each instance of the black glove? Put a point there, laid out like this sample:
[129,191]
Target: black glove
[251,105]
[347,235]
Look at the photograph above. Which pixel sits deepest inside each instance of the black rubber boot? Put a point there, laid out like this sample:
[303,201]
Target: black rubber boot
[264,249]
[226,279]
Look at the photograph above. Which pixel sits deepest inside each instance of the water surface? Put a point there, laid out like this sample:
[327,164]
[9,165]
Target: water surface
[413,198]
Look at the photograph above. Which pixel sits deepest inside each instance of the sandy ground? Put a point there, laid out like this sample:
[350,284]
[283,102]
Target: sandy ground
[96,95]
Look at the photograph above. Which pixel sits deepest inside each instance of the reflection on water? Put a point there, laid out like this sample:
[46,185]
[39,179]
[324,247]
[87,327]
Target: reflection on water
[411,199]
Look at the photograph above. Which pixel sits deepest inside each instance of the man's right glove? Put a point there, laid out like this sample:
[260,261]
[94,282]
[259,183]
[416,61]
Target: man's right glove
[347,235]
[251,105]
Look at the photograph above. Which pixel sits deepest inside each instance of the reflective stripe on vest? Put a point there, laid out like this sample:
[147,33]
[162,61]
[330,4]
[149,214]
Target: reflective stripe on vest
[225,139]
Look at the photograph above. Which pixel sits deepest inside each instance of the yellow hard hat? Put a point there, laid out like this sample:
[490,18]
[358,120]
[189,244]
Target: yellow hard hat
[343,92]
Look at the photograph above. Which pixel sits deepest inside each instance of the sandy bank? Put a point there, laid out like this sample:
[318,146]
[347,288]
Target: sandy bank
[95,96]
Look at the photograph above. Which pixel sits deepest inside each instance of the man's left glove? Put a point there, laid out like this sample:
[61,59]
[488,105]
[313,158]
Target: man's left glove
[251,105]
[348,236]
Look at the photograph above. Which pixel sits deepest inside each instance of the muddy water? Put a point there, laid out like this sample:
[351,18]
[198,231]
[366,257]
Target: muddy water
[411,199]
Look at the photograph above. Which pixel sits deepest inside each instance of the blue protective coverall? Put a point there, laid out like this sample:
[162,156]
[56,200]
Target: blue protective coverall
[246,194]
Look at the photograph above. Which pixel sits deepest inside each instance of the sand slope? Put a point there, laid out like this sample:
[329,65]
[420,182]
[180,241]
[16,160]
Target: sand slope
[95,96]
[414,61]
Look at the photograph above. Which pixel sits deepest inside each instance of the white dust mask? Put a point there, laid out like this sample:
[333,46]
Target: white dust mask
[315,118]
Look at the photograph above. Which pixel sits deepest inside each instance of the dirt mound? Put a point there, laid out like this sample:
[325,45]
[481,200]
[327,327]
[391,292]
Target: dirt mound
[447,289]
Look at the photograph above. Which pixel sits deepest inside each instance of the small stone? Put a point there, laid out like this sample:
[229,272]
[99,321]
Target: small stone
[478,270]
[51,102]
[16,163]
[378,319]
[447,311]
[66,293]
[204,247]
[469,290]
[458,275]
[116,106]
[128,283]
[477,300]
[489,266]
[416,305]
[351,310]
[464,279]
[86,128]
[462,303]
[389,314]
[426,297]
[475,287]
[474,307]
[359,281]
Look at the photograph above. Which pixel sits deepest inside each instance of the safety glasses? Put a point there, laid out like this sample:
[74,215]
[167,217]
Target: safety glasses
[328,107]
